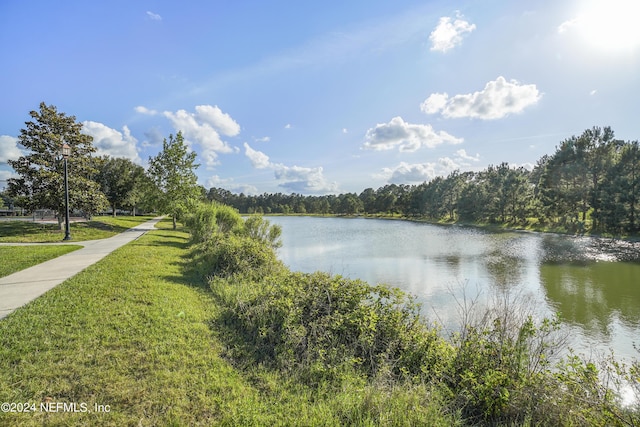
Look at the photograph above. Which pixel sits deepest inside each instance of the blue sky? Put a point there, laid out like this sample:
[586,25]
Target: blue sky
[324,97]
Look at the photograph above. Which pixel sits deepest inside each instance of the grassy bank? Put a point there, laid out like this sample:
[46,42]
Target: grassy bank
[101,227]
[135,332]
[16,258]
[145,334]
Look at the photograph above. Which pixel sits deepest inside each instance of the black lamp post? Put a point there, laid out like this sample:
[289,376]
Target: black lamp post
[66,152]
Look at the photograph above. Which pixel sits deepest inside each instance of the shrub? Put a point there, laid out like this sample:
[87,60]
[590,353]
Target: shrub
[236,255]
[209,219]
[260,229]
[320,327]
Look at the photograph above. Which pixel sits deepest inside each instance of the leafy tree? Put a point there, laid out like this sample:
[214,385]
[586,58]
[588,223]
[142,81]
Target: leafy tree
[120,180]
[41,181]
[172,172]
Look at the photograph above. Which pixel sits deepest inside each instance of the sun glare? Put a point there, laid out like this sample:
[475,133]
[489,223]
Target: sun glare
[611,25]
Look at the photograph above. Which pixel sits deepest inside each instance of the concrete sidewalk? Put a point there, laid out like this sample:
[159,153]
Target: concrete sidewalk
[23,286]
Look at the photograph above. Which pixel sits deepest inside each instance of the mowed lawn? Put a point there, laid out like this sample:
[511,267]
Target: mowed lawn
[101,227]
[131,336]
[16,258]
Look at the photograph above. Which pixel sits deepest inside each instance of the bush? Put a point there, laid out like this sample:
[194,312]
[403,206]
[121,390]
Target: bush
[234,255]
[209,219]
[319,327]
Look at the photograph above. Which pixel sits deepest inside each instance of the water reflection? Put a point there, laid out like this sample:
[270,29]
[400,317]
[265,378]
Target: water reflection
[590,294]
[582,278]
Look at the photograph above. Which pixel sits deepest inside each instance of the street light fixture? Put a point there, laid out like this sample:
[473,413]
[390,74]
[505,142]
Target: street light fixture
[66,152]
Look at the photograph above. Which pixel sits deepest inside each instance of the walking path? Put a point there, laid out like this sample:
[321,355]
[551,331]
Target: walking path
[23,286]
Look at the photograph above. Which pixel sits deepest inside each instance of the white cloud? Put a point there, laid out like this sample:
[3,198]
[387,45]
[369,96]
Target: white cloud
[294,178]
[5,175]
[9,148]
[219,120]
[498,99]
[304,180]
[287,126]
[259,160]
[204,127]
[593,92]
[462,153]
[144,110]
[405,136]
[405,173]
[216,181]
[153,16]
[345,130]
[263,139]
[567,25]
[435,103]
[112,142]
[448,34]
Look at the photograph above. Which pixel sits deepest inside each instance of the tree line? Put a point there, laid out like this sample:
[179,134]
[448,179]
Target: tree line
[96,183]
[590,183]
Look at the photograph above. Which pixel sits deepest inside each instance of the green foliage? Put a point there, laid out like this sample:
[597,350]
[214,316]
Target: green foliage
[236,255]
[260,229]
[590,183]
[120,180]
[41,174]
[207,220]
[227,245]
[172,173]
[320,327]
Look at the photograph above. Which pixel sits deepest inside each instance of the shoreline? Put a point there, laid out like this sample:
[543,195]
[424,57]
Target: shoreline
[483,226]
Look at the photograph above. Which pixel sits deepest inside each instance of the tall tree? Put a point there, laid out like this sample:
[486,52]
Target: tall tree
[41,174]
[173,173]
[120,180]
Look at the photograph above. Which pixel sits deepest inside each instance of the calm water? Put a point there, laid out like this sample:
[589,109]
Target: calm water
[593,283]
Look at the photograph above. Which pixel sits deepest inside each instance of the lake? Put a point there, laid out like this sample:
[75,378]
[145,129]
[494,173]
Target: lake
[593,283]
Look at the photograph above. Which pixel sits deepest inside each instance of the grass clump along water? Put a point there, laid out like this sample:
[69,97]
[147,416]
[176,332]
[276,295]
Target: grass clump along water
[209,328]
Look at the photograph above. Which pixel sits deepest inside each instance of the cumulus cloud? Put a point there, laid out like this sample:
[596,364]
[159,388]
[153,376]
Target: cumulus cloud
[498,99]
[259,160]
[294,178]
[304,180]
[203,127]
[216,181]
[449,34]
[111,142]
[406,173]
[9,148]
[405,136]
[144,110]
[214,116]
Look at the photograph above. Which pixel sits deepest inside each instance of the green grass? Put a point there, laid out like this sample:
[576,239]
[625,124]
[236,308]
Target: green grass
[135,332]
[16,258]
[101,227]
